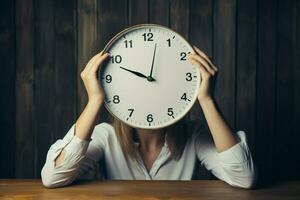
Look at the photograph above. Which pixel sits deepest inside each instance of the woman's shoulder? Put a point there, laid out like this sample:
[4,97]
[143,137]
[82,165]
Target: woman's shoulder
[105,126]
[103,131]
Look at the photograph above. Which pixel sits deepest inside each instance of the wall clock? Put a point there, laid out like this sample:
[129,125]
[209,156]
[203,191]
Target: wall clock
[148,81]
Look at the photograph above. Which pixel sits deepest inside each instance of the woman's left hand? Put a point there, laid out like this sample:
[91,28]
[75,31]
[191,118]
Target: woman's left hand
[207,71]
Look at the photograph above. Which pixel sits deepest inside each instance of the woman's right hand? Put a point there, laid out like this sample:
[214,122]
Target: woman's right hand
[89,77]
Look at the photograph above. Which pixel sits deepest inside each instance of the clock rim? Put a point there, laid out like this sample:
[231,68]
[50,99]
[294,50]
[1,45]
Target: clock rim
[117,36]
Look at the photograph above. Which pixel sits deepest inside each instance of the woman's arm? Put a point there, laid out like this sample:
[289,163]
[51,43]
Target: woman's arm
[74,154]
[226,154]
[86,121]
[222,134]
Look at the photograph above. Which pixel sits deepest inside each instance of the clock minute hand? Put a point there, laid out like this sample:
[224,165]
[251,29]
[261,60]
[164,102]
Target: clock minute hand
[150,78]
[135,72]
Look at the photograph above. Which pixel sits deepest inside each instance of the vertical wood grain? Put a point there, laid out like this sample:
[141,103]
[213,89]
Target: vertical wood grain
[224,49]
[286,57]
[138,11]
[86,44]
[296,135]
[25,146]
[7,85]
[65,67]
[179,17]
[159,12]
[44,73]
[265,88]
[246,67]
[112,14]
[201,25]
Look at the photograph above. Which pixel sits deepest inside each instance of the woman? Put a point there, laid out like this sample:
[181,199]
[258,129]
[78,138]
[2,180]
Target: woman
[164,154]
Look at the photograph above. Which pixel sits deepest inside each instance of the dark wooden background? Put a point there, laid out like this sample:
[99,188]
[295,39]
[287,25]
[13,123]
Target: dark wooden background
[45,44]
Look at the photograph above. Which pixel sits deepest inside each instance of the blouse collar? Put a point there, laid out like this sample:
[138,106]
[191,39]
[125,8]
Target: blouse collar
[137,143]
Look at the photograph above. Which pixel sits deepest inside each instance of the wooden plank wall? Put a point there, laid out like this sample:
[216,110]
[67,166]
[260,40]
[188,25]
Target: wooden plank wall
[46,44]
[7,82]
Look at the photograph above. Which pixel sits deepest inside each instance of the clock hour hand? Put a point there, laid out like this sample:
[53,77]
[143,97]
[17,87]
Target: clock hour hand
[135,72]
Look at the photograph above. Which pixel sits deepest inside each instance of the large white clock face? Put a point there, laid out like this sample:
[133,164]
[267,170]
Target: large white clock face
[148,81]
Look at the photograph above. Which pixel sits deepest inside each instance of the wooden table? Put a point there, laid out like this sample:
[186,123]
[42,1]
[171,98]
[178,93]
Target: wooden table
[150,190]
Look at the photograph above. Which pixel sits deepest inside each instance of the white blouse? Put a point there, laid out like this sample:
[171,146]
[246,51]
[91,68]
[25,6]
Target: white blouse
[234,165]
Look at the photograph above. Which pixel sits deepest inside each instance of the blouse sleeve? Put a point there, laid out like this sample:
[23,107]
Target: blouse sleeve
[234,165]
[81,156]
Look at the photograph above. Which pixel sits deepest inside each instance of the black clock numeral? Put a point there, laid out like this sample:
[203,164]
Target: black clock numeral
[116,59]
[108,78]
[116,99]
[183,56]
[148,36]
[171,112]
[188,76]
[183,97]
[150,118]
[128,43]
[130,111]
[169,42]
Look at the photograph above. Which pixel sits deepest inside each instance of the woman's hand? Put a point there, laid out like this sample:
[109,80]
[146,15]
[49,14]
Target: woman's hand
[89,77]
[207,71]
